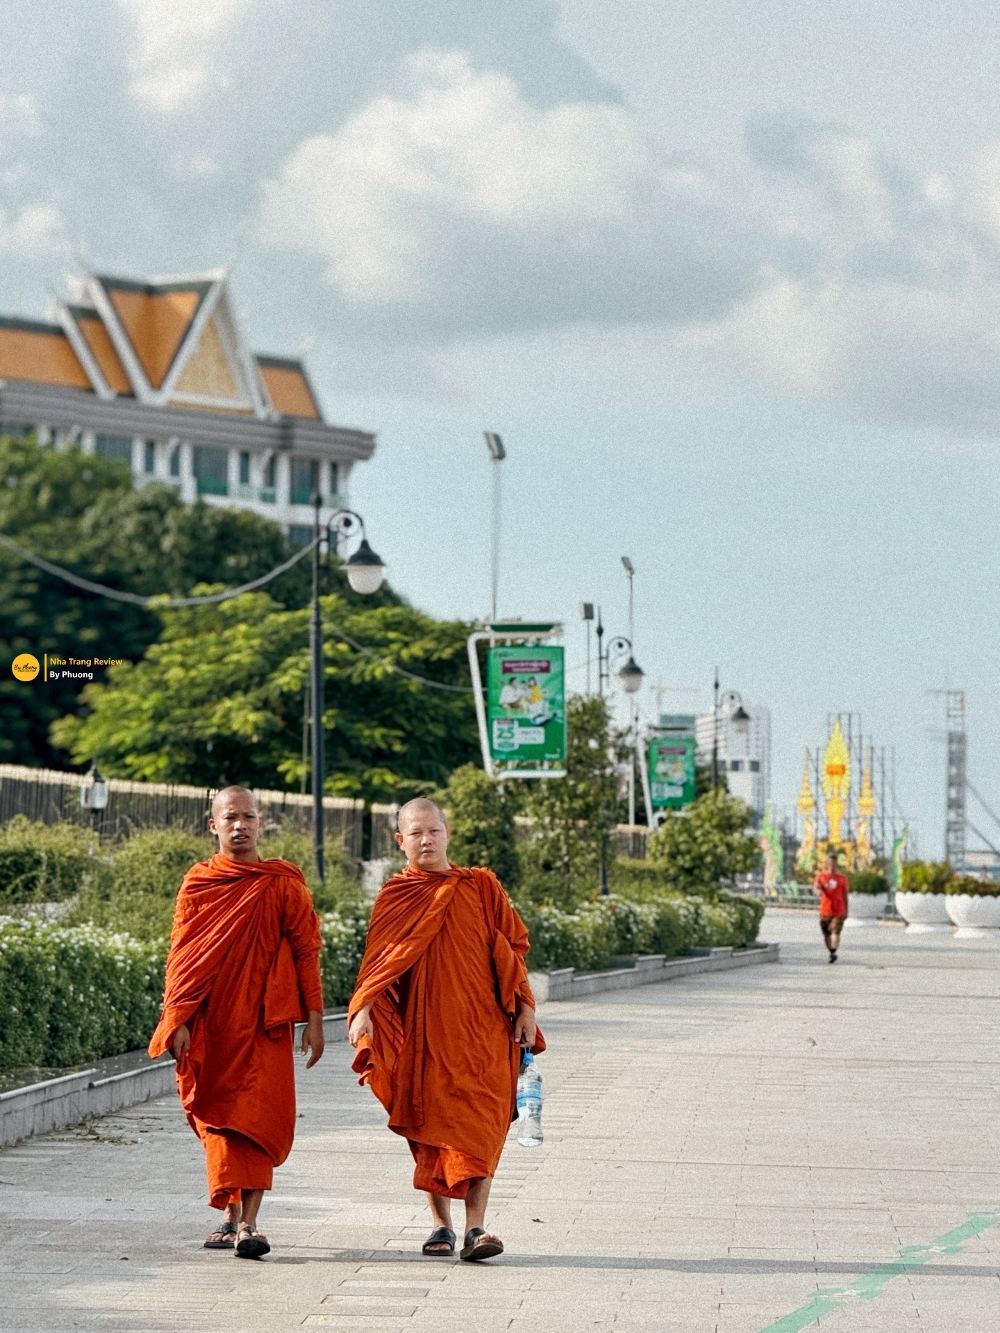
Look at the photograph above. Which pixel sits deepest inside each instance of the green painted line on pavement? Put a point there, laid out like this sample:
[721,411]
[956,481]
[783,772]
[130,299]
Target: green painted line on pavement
[869,1285]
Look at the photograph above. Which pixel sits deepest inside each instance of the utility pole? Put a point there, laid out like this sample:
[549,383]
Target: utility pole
[497,453]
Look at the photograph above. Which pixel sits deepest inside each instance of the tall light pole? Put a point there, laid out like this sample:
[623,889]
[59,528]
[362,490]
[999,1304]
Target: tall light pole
[497,453]
[738,716]
[633,702]
[630,676]
[365,572]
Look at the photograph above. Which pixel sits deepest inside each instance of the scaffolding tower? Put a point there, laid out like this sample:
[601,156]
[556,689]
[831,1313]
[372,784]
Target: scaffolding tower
[955,784]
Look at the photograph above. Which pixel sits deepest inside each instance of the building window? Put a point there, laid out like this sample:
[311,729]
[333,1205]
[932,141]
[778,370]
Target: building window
[244,467]
[116,447]
[211,470]
[149,456]
[334,479]
[17,430]
[299,535]
[174,467]
[736,765]
[754,765]
[305,480]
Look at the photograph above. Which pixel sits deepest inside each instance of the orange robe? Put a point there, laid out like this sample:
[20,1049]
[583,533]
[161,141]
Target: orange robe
[243,967]
[443,971]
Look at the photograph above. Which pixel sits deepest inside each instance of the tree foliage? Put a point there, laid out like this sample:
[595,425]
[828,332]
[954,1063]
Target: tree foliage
[481,814]
[83,512]
[572,816]
[704,846]
[220,697]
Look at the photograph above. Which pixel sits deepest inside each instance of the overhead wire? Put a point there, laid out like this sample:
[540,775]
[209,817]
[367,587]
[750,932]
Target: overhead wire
[170,603]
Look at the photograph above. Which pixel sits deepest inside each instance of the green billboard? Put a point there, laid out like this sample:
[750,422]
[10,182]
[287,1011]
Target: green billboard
[526,705]
[671,772]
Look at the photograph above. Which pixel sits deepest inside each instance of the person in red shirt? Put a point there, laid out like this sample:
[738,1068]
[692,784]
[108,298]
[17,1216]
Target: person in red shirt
[831,886]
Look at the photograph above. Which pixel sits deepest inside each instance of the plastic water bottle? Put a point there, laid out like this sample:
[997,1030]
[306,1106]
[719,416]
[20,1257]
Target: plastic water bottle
[529,1103]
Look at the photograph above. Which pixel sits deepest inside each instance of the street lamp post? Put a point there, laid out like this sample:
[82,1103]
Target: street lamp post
[630,676]
[738,716]
[365,572]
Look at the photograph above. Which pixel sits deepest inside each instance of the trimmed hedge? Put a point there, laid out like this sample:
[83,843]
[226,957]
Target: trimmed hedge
[973,886]
[45,862]
[73,994]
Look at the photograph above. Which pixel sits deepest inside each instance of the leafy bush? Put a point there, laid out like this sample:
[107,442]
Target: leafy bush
[583,939]
[867,881]
[705,845]
[45,862]
[481,815]
[926,877]
[639,881]
[973,886]
[72,994]
[136,894]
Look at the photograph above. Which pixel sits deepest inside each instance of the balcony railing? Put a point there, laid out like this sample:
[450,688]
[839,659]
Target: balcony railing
[265,494]
[211,486]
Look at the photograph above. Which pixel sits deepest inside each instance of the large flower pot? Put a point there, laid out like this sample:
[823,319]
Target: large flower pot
[864,909]
[924,913]
[977,916]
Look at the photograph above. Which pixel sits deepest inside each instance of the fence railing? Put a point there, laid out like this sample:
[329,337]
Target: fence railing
[54,797]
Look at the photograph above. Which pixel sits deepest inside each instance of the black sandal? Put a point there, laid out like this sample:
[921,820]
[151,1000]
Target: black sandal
[476,1249]
[443,1236]
[251,1244]
[223,1229]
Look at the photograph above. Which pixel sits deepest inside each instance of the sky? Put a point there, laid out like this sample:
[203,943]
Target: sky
[726,280]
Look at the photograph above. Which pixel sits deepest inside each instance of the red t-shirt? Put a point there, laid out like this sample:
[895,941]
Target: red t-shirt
[832,893]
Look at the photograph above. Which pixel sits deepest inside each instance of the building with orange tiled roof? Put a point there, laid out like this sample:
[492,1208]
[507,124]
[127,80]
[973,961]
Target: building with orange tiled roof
[156,374]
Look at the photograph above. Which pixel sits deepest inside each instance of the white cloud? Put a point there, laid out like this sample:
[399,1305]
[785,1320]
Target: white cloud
[460,202]
[173,57]
[37,229]
[19,119]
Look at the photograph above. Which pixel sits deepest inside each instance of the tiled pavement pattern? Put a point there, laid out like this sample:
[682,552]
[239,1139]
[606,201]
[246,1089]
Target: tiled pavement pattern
[718,1149]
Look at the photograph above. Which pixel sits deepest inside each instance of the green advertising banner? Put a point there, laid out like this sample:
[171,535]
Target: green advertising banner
[671,772]
[526,705]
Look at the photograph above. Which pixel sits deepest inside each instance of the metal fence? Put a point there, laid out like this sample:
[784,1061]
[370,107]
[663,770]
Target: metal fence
[54,797]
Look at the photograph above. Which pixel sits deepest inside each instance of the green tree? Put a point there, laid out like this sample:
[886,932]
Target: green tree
[83,512]
[704,846]
[481,813]
[220,698]
[572,816]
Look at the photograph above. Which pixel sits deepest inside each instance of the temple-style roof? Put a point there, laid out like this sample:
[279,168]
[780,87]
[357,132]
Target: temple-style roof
[288,389]
[40,353]
[166,342]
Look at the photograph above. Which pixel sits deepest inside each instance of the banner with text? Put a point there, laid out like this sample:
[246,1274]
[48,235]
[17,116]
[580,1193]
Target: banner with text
[671,772]
[526,705]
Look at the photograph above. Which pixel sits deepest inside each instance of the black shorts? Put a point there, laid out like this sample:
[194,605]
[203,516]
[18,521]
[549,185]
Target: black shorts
[831,925]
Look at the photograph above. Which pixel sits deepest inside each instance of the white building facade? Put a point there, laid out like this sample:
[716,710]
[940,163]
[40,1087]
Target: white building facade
[743,752]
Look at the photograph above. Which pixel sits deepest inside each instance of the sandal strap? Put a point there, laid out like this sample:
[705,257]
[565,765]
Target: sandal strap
[473,1234]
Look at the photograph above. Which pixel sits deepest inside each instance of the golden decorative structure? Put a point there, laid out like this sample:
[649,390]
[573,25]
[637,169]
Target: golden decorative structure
[836,781]
[864,853]
[806,804]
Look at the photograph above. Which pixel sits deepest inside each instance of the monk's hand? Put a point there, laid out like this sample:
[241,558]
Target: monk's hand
[361,1026]
[313,1040]
[181,1043]
[524,1026]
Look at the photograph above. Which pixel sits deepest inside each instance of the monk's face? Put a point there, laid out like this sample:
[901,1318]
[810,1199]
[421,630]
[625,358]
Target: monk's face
[423,836]
[236,822]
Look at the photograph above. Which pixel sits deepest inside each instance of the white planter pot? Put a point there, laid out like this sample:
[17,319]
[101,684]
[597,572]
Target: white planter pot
[864,909]
[924,913]
[977,917]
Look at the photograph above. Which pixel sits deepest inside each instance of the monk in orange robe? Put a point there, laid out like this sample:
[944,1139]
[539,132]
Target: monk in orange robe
[440,1013]
[243,967]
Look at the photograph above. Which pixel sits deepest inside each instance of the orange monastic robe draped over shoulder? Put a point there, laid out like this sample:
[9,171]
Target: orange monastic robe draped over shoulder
[243,967]
[444,971]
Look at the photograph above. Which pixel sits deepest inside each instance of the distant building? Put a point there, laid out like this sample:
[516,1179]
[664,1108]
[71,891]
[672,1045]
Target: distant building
[983,862]
[157,374]
[744,758]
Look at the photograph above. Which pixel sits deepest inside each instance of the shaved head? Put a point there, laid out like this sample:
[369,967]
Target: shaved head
[420,805]
[229,793]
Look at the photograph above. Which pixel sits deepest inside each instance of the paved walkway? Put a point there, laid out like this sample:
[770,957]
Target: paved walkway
[779,1148]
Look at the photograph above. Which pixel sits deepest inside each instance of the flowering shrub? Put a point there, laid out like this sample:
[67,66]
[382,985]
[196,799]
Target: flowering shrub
[344,934]
[72,994]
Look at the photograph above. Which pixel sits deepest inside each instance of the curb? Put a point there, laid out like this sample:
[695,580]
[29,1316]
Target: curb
[58,1103]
